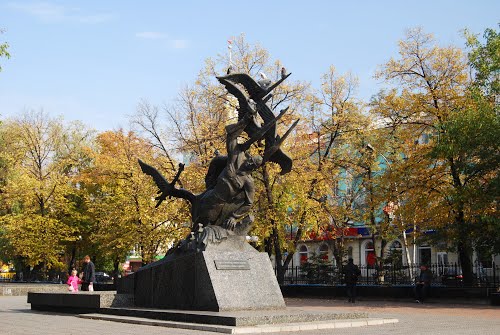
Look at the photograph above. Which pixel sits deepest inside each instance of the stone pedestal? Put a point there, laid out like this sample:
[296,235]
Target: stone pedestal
[228,276]
[79,302]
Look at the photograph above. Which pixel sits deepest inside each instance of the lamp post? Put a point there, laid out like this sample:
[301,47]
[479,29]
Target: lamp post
[394,207]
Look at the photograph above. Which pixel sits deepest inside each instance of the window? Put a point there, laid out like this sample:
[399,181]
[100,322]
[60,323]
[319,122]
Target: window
[395,255]
[424,254]
[442,258]
[369,252]
[323,252]
[303,253]
[484,258]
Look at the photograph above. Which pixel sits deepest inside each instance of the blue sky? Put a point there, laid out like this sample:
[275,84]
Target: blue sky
[95,60]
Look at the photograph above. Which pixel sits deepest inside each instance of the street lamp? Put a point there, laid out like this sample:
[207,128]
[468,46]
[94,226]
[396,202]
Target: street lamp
[395,207]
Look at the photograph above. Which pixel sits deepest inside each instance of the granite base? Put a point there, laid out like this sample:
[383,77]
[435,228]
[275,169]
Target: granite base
[228,276]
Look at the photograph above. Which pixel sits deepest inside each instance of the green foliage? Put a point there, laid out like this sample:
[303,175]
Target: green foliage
[470,138]
[317,269]
[485,60]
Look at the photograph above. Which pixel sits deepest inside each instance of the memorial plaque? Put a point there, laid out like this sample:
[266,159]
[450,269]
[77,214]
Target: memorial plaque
[231,265]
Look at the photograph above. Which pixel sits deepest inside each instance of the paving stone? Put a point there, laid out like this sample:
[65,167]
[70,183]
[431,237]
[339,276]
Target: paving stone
[432,318]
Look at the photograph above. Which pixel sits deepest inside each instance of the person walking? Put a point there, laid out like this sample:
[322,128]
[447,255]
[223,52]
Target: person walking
[88,277]
[423,284]
[351,275]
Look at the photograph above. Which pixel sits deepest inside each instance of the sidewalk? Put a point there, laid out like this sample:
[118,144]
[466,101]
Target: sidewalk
[431,318]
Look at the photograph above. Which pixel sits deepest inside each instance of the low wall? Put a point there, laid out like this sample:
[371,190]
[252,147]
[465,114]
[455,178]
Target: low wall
[386,292]
[15,289]
[495,299]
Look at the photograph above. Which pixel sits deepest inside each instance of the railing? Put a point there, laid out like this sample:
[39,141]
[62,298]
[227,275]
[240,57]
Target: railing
[443,274]
[34,277]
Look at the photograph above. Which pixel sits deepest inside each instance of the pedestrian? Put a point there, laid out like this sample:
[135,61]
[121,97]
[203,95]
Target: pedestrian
[423,284]
[88,277]
[351,275]
[73,281]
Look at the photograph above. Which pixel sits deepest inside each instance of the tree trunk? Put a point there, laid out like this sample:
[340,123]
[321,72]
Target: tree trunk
[464,246]
[71,264]
[464,249]
[116,271]
[280,269]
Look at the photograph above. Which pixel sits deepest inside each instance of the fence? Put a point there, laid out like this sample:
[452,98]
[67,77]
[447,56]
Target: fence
[34,277]
[443,274]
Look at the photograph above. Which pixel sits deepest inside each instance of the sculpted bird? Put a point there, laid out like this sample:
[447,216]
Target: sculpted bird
[256,93]
[264,82]
[283,72]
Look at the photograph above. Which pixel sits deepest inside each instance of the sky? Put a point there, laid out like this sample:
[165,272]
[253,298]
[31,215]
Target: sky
[94,61]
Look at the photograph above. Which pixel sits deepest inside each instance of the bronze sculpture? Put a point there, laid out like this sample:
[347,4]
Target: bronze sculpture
[223,208]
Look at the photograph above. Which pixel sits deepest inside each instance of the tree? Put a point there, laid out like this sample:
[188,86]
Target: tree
[471,139]
[42,157]
[338,124]
[485,60]
[432,91]
[482,151]
[36,239]
[120,201]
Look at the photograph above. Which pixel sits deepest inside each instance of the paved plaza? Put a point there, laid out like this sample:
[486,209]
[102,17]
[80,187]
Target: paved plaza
[432,318]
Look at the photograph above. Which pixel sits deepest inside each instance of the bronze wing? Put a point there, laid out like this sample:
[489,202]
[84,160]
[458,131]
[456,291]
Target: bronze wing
[257,93]
[163,185]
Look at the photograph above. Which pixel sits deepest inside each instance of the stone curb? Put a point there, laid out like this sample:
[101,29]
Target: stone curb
[286,327]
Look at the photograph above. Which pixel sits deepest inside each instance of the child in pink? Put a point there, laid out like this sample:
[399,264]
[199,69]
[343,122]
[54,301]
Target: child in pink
[73,281]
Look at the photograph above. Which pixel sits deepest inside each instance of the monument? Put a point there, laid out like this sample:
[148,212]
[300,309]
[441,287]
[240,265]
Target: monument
[214,268]
[213,279]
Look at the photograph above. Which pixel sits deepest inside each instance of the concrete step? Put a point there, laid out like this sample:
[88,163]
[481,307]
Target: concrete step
[265,328]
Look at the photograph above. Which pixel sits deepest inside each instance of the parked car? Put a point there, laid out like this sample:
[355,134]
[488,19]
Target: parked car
[452,276]
[103,277]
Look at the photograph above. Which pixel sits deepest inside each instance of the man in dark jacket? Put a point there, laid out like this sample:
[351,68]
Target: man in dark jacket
[88,278]
[351,274]
[423,284]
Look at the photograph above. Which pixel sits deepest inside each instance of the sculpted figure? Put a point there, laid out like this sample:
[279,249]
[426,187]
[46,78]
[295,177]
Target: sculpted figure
[225,204]
[234,186]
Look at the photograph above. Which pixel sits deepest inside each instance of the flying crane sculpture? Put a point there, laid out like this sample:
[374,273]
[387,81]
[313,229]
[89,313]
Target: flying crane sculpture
[224,207]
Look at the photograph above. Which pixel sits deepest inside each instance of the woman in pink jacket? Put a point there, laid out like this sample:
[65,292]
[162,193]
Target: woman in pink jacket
[73,281]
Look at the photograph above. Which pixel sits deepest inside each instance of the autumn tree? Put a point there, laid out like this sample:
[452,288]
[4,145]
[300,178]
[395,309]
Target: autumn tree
[432,91]
[121,203]
[471,138]
[42,156]
[338,123]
